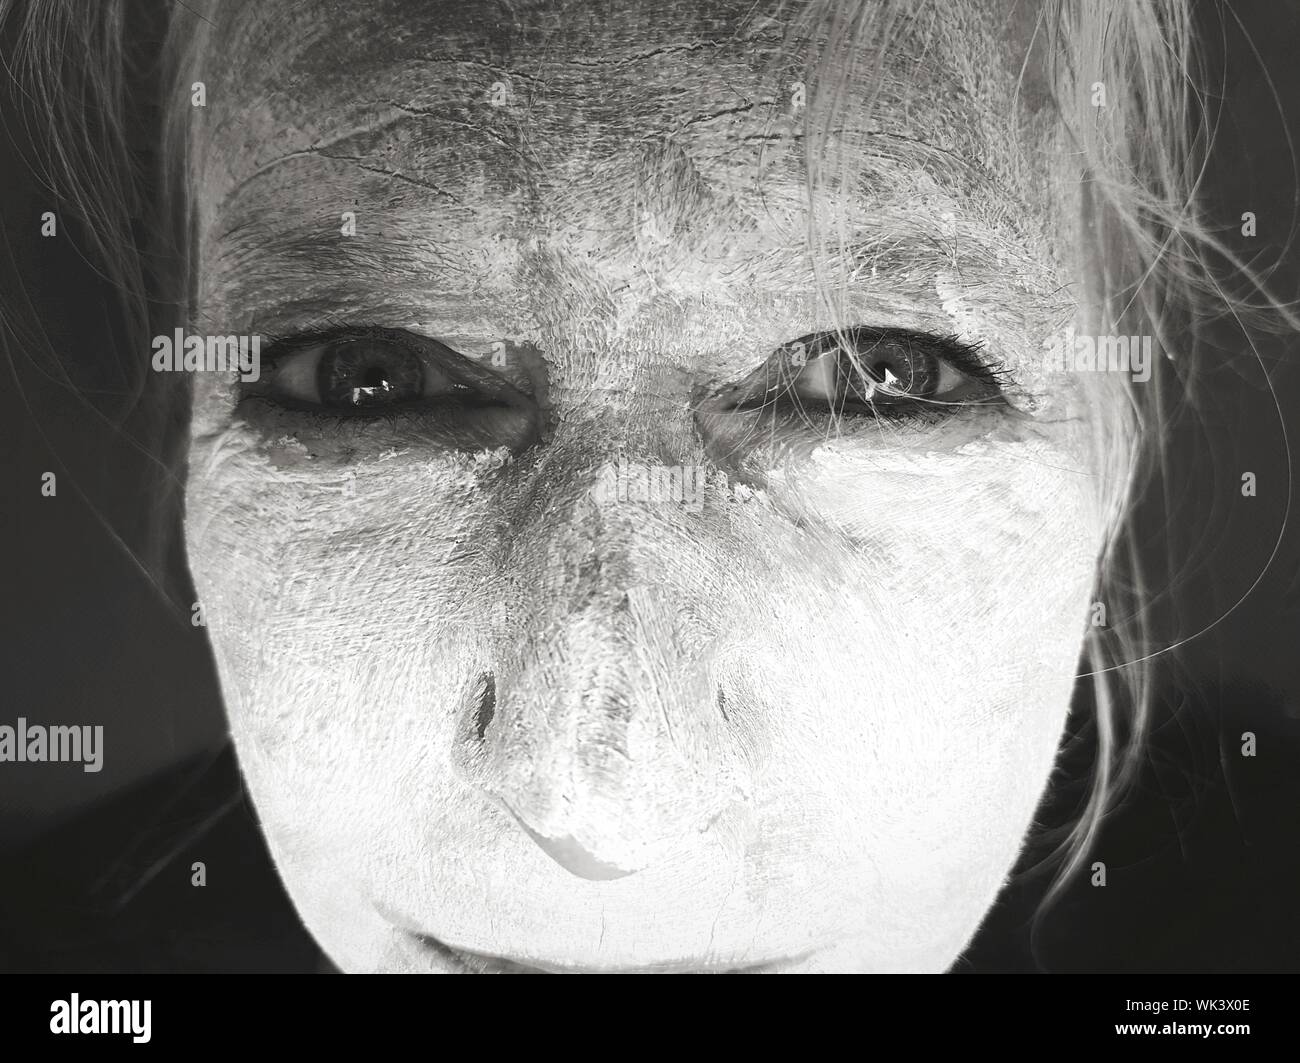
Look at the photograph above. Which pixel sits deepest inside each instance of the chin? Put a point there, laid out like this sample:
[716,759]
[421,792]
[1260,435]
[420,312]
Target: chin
[398,951]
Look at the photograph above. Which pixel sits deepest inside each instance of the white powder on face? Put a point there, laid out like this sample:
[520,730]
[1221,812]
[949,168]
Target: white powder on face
[948,287]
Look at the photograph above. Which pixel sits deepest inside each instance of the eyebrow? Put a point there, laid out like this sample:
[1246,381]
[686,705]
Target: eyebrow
[279,242]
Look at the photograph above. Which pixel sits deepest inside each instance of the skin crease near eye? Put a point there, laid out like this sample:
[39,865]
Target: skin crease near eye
[499,709]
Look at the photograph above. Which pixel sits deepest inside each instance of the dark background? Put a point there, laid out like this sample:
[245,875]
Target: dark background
[1203,860]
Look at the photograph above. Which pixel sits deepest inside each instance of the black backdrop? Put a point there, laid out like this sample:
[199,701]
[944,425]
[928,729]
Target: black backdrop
[1203,861]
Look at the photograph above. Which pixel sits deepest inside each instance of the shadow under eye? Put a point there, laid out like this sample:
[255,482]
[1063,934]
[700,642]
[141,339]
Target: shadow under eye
[449,425]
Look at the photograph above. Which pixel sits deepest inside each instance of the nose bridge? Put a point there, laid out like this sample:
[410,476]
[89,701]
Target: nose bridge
[606,741]
[596,515]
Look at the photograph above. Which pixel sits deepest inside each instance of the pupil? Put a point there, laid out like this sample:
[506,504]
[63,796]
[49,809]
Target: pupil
[369,373]
[903,373]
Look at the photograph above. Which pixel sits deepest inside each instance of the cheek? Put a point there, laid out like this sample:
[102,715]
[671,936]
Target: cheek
[344,622]
[920,657]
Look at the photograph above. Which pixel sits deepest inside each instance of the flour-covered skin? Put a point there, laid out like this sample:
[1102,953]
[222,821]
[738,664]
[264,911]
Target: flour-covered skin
[803,726]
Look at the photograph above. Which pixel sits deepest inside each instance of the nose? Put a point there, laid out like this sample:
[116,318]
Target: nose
[608,747]
[601,730]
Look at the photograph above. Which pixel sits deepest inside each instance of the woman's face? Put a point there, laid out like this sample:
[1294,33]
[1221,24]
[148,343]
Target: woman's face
[790,707]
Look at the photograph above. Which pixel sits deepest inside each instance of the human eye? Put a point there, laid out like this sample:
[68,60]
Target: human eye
[889,374]
[373,372]
[368,382]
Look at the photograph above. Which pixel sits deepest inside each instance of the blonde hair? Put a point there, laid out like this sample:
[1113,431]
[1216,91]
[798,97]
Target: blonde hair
[1147,271]
[83,91]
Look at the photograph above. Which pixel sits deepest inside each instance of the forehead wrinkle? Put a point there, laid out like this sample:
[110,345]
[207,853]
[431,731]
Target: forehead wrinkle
[900,190]
[332,147]
[416,59]
[674,183]
[885,156]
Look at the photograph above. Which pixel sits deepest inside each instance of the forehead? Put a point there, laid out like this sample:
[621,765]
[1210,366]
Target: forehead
[344,50]
[641,149]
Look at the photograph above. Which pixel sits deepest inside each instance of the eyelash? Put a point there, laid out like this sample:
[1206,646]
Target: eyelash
[967,359]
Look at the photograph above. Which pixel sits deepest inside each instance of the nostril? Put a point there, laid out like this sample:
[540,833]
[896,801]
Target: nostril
[487,704]
[722,704]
